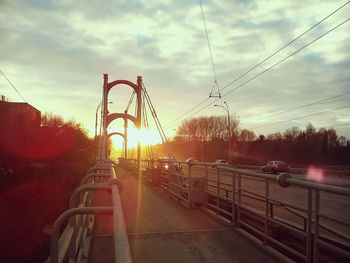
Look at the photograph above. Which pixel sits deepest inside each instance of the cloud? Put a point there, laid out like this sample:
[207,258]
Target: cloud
[57,51]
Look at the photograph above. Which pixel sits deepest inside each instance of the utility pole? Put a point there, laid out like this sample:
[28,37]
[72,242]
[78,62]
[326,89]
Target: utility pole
[126,135]
[98,107]
[103,139]
[228,127]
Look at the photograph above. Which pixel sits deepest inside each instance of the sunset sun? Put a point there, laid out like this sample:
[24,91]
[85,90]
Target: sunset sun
[145,136]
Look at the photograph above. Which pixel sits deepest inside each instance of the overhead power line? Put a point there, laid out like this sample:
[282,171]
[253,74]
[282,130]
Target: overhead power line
[278,112]
[288,44]
[13,86]
[290,55]
[267,69]
[297,118]
[260,63]
[211,55]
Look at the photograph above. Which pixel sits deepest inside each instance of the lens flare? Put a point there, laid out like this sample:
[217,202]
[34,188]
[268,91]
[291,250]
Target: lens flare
[314,174]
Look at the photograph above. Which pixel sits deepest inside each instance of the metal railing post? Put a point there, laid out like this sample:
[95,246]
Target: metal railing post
[218,191]
[234,219]
[206,186]
[309,226]
[62,218]
[239,199]
[267,202]
[189,185]
[317,224]
[74,200]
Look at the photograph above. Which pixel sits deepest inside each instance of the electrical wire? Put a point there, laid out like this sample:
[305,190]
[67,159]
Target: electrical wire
[261,62]
[288,44]
[329,99]
[297,118]
[13,86]
[211,55]
[279,111]
[270,67]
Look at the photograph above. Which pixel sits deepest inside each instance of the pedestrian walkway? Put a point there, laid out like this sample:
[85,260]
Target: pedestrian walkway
[162,230]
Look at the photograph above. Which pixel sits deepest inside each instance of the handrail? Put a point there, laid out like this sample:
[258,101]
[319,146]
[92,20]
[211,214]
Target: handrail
[121,242]
[74,199]
[63,217]
[327,171]
[92,175]
[287,179]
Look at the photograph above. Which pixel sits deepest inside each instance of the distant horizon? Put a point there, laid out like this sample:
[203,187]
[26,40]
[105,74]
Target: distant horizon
[91,133]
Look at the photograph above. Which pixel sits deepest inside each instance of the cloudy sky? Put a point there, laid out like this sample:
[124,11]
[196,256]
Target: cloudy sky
[55,53]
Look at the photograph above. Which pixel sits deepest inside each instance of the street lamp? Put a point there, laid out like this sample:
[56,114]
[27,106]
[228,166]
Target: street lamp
[98,107]
[228,127]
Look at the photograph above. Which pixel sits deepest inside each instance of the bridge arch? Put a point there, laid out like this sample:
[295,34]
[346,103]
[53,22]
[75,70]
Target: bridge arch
[125,141]
[108,118]
[136,87]
[116,133]
[125,116]
[125,82]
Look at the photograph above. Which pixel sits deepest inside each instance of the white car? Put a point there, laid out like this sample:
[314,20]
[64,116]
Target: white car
[221,162]
[191,160]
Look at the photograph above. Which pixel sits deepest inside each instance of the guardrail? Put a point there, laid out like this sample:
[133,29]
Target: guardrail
[74,242]
[331,171]
[307,232]
[303,229]
[180,179]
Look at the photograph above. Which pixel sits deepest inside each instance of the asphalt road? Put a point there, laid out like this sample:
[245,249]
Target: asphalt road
[332,205]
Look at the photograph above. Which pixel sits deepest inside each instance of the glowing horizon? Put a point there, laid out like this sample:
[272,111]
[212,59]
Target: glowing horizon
[146,136]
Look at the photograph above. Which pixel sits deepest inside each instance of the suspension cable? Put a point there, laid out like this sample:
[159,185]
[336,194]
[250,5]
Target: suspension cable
[155,117]
[146,125]
[130,101]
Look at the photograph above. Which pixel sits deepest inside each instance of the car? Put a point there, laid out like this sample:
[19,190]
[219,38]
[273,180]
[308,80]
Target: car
[275,167]
[169,164]
[191,160]
[220,162]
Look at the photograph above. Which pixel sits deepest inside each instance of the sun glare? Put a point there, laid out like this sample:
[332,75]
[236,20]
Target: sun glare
[144,136]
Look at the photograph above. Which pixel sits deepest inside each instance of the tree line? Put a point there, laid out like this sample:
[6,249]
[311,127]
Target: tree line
[298,146]
[39,169]
[206,138]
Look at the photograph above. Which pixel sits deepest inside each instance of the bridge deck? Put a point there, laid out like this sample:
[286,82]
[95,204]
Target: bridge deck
[161,230]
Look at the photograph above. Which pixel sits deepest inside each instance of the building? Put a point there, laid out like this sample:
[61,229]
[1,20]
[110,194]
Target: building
[19,121]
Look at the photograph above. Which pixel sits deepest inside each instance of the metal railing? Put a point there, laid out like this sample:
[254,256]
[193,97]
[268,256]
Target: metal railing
[328,171]
[296,217]
[74,243]
[181,179]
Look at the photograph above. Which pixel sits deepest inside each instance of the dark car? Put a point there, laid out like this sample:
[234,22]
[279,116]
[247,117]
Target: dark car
[168,164]
[275,167]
